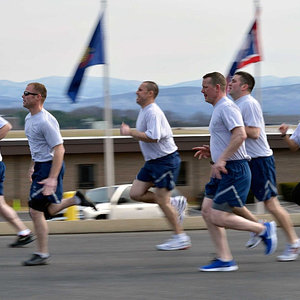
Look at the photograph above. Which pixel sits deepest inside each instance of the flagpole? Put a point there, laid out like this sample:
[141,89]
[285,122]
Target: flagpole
[109,145]
[257,69]
[260,207]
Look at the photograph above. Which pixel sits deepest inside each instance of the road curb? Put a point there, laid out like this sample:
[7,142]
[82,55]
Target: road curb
[136,225]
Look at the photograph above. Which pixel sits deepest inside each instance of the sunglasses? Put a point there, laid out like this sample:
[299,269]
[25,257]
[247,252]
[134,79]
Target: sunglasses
[28,93]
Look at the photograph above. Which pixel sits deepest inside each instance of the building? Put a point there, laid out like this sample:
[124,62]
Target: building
[84,160]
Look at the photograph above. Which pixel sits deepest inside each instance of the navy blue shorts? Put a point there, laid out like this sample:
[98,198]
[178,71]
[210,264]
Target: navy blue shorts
[37,200]
[263,183]
[2,176]
[163,171]
[232,190]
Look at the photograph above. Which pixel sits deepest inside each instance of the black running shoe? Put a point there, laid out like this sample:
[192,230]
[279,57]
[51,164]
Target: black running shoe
[37,260]
[85,201]
[22,240]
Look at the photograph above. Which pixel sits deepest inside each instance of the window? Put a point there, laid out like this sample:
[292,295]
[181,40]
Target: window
[125,198]
[86,176]
[182,177]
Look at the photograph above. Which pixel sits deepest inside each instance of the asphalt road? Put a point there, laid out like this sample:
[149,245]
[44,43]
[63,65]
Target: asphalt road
[113,266]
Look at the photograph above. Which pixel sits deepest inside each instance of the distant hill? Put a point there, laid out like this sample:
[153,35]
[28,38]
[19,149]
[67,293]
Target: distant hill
[280,96]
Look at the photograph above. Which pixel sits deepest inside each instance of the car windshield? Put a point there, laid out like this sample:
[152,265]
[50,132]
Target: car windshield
[99,195]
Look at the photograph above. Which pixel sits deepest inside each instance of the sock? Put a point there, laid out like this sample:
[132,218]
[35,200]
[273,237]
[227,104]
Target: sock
[24,232]
[224,260]
[43,255]
[263,232]
[181,235]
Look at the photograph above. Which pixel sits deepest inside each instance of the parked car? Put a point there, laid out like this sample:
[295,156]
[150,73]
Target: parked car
[118,206]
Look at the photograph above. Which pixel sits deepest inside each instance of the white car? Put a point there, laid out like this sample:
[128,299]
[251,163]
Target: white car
[120,205]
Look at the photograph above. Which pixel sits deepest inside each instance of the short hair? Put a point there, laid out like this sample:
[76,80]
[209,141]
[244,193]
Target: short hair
[247,78]
[217,78]
[39,88]
[152,86]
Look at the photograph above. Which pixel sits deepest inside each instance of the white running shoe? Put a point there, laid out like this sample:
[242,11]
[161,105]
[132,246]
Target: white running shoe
[253,241]
[175,243]
[290,253]
[180,203]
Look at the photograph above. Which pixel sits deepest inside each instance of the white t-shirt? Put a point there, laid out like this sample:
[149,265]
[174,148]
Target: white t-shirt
[154,123]
[2,123]
[225,117]
[253,116]
[42,131]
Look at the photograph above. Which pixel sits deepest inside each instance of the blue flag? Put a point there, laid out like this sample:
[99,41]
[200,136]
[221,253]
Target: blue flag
[249,52]
[93,55]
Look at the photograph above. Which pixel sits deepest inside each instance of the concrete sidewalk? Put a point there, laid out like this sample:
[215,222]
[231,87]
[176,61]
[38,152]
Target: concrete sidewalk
[192,222]
[136,225]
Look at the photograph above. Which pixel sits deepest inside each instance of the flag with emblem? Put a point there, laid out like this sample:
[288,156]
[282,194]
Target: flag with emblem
[249,52]
[93,55]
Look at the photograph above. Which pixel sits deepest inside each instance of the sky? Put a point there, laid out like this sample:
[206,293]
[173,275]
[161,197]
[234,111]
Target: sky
[167,41]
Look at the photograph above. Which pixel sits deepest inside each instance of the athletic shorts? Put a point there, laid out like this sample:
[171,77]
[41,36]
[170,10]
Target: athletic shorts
[163,171]
[37,200]
[263,182]
[2,176]
[232,190]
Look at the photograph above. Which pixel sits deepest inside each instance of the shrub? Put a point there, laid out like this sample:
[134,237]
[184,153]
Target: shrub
[286,189]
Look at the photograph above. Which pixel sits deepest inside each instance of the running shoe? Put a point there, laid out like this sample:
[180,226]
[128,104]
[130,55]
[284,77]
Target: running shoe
[270,237]
[85,201]
[253,241]
[219,266]
[290,253]
[22,240]
[175,243]
[37,260]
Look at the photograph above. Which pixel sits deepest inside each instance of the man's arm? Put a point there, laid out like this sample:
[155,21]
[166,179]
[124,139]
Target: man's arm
[50,183]
[31,170]
[252,132]
[291,143]
[57,161]
[4,130]
[141,136]
[237,138]
[203,151]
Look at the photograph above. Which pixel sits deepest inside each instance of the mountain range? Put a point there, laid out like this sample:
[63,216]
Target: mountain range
[279,96]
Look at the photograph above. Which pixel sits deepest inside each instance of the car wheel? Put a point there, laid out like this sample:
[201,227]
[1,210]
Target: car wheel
[101,217]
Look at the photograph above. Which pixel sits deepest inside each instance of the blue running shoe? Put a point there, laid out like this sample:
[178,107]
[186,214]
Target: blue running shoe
[219,266]
[270,237]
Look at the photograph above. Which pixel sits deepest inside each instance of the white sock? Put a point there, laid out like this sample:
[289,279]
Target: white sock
[295,245]
[179,236]
[43,255]
[24,232]
[224,260]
